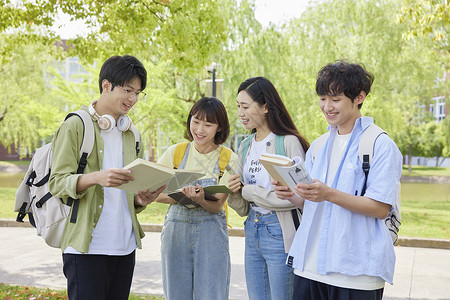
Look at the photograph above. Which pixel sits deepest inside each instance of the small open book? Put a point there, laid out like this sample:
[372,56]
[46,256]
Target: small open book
[288,172]
[151,176]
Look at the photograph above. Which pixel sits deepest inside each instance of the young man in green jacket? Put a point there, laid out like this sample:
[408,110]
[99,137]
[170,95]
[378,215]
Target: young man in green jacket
[99,248]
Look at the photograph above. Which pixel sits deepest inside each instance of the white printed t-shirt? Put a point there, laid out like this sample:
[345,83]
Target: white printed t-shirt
[253,171]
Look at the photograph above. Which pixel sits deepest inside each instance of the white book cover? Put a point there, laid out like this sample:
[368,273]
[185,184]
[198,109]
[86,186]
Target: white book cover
[295,174]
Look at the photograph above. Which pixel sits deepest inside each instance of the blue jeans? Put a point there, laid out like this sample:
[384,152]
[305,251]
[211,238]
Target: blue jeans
[266,272]
[195,254]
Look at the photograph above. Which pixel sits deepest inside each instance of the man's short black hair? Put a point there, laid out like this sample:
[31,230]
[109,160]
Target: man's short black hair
[120,70]
[343,77]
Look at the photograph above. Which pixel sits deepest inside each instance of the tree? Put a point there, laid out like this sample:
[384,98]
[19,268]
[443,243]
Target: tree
[175,39]
[292,55]
[432,141]
[426,18]
[250,51]
[430,19]
[24,96]
[405,72]
[183,32]
[446,135]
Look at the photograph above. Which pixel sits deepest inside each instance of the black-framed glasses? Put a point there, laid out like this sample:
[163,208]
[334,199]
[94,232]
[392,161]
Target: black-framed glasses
[129,92]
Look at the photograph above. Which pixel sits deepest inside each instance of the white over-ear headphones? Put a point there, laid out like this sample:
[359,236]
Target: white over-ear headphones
[107,122]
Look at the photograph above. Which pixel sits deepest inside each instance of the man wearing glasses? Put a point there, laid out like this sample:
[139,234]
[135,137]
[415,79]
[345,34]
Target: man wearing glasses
[99,248]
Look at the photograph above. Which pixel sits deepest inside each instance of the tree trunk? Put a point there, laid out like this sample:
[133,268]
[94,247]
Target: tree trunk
[409,157]
[2,115]
[438,164]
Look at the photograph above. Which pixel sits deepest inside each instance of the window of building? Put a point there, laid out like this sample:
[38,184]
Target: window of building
[439,108]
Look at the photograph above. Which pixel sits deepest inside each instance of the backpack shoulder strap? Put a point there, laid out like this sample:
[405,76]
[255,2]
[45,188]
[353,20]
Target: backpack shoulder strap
[279,145]
[224,159]
[88,133]
[85,150]
[136,137]
[365,150]
[245,144]
[318,145]
[367,142]
[180,152]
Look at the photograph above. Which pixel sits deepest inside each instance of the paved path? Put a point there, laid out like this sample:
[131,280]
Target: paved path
[421,273]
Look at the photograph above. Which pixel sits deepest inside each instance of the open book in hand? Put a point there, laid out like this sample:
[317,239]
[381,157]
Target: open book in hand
[151,176]
[288,172]
[210,192]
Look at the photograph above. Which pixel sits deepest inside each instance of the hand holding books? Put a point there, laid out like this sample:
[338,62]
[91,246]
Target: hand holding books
[145,197]
[187,196]
[288,172]
[151,176]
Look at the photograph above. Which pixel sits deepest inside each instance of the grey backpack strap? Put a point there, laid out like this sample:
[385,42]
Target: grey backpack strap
[136,137]
[367,141]
[86,148]
[365,149]
[88,134]
[318,143]
[365,152]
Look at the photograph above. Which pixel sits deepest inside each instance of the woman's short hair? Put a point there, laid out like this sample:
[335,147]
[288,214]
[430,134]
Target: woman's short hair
[212,110]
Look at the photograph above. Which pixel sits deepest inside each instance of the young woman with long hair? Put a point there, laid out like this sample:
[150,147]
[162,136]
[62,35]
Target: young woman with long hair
[271,223]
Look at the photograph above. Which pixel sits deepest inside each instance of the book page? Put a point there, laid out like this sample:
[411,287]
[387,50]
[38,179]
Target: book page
[151,176]
[292,175]
[275,159]
[269,161]
[181,178]
[146,176]
[213,189]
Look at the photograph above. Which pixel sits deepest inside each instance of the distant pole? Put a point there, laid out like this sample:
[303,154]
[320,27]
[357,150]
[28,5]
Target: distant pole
[214,86]
[214,79]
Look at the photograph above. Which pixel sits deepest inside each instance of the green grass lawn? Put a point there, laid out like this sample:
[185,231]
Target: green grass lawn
[415,170]
[425,207]
[425,171]
[153,214]
[16,292]
[15,162]
[425,210]
[7,203]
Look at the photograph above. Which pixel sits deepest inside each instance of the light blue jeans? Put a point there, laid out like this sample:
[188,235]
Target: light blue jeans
[195,254]
[266,272]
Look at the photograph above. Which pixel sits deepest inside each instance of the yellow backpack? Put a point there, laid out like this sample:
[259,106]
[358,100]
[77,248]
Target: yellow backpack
[181,155]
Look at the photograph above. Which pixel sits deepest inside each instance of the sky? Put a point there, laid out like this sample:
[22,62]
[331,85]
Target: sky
[266,12]
[277,11]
